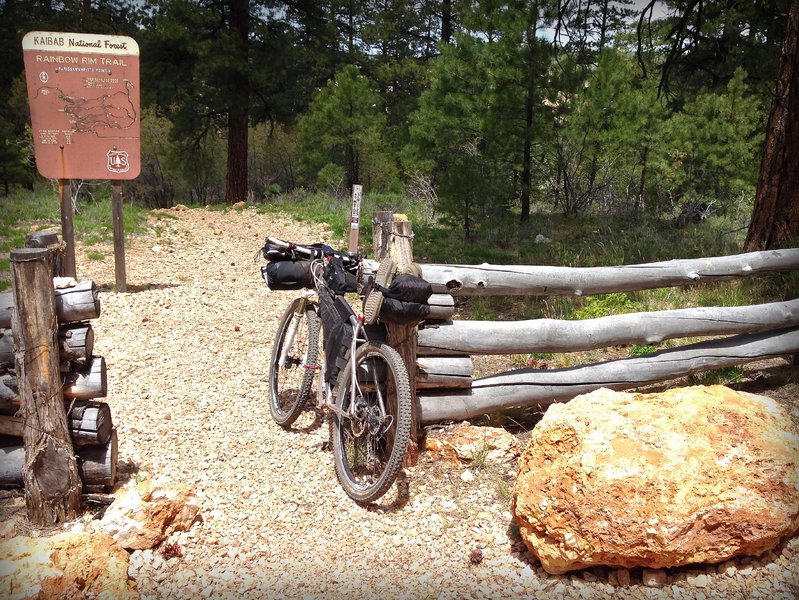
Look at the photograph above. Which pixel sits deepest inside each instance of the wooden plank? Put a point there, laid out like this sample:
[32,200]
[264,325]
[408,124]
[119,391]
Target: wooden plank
[78,303]
[6,309]
[442,307]
[530,387]
[552,335]
[438,381]
[89,423]
[446,365]
[6,347]
[485,279]
[10,425]
[89,384]
[444,372]
[76,342]
[97,465]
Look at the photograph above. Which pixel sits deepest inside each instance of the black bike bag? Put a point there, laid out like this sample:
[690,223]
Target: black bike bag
[287,274]
[335,313]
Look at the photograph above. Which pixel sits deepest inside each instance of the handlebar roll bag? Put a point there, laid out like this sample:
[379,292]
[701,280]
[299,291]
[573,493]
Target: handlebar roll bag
[287,274]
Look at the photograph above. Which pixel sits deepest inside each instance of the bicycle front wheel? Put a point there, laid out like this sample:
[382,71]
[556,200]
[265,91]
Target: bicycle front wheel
[293,362]
[370,436]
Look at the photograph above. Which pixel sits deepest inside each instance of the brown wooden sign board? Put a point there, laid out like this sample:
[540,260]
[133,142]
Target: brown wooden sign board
[83,91]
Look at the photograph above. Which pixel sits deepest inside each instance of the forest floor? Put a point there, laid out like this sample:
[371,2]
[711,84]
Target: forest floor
[187,350]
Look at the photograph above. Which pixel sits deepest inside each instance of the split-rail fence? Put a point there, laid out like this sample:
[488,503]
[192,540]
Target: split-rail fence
[440,356]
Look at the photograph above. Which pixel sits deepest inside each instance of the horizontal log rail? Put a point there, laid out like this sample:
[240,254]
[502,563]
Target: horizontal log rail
[531,387]
[97,465]
[80,302]
[553,335]
[485,280]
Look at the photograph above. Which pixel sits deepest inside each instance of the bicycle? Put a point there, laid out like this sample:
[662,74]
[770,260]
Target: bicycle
[363,384]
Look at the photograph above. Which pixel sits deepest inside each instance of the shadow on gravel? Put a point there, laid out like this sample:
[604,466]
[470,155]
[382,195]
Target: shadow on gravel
[135,289]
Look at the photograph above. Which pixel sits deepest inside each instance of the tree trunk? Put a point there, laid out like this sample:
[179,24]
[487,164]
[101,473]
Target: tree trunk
[239,110]
[775,220]
[446,21]
[52,483]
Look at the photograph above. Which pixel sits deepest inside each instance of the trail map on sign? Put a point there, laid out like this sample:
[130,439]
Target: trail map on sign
[83,91]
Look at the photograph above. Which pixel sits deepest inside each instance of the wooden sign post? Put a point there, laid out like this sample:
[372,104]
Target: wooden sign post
[67,228]
[119,237]
[83,91]
[355,217]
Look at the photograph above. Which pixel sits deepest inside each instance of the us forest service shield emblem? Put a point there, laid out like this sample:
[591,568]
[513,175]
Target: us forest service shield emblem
[118,161]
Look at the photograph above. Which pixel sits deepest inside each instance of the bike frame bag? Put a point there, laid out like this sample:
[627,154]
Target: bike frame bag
[335,313]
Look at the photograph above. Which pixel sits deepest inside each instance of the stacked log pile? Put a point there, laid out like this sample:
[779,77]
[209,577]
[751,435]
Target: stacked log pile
[83,376]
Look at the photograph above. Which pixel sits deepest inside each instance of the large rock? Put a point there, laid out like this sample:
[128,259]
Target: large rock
[145,514]
[65,566]
[691,475]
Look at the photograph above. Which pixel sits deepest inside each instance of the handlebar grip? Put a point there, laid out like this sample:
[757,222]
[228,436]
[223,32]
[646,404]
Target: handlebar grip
[277,242]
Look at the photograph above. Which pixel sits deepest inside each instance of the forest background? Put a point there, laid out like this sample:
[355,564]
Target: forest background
[485,118]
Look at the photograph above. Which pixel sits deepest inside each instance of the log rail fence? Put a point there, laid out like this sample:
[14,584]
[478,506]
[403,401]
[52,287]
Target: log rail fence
[441,361]
[56,439]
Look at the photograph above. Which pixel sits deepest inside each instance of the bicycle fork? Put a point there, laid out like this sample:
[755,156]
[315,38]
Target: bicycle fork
[291,333]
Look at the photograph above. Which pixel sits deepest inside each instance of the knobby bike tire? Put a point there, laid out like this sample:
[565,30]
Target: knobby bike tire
[366,478]
[290,384]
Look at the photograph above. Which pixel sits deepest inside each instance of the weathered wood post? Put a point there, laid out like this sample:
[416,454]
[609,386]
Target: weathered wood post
[395,239]
[49,240]
[67,226]
[120,275]
[52,482]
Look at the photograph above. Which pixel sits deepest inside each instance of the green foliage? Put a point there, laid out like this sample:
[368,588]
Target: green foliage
[604,144]
[345,127]
[604,305]
[709,151]
[636,350]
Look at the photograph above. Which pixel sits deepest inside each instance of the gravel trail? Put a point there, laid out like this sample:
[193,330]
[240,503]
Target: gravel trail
[187,352]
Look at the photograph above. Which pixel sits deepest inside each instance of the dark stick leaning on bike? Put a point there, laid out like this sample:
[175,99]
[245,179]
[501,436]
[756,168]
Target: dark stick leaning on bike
[362,382]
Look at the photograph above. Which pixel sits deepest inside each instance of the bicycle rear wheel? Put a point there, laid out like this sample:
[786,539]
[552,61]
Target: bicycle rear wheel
[294,360]
[371,438]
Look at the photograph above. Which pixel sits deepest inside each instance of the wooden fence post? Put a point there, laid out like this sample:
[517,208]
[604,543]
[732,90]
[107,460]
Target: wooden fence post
[52,482]
[49,240]
[398,244]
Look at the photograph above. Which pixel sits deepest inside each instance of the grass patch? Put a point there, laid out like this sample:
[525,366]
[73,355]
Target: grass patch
[23,210]
[95,255]
[723,376]
[636,350]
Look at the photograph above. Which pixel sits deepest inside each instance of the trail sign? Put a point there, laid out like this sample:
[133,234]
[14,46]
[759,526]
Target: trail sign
[83,91]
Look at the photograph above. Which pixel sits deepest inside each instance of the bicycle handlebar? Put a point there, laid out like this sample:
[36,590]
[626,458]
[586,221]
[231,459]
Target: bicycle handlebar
[316,251]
